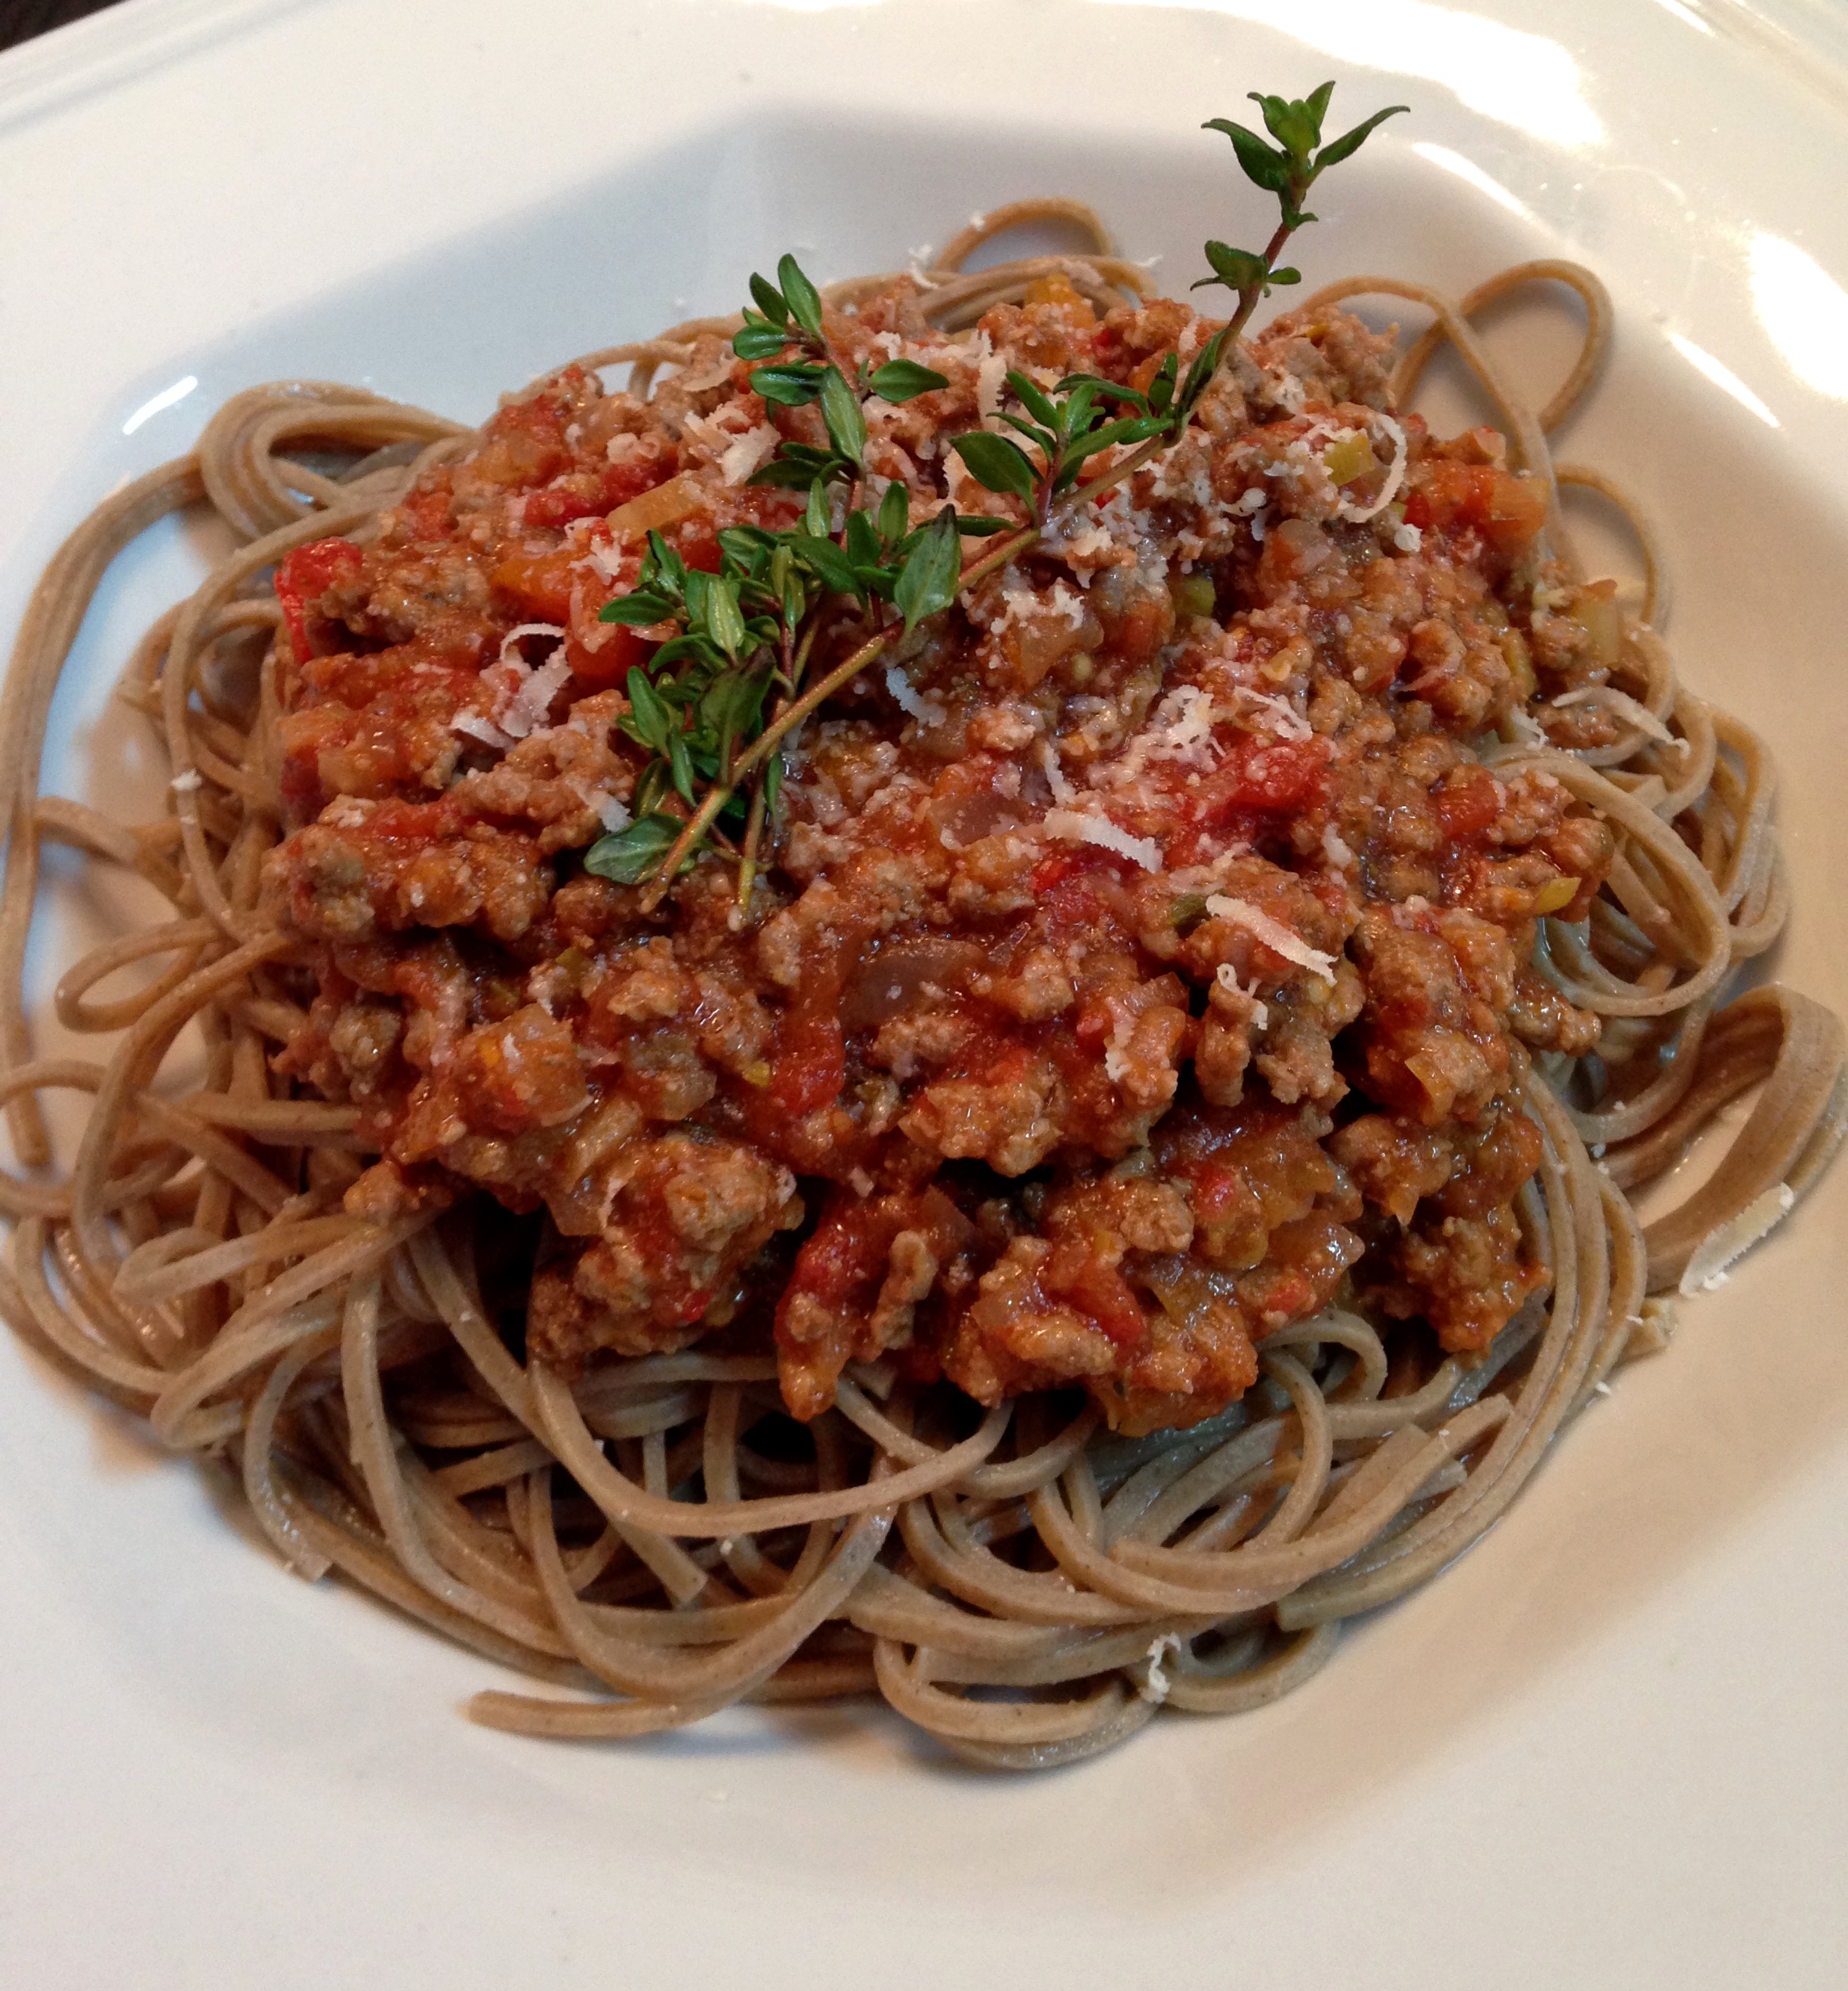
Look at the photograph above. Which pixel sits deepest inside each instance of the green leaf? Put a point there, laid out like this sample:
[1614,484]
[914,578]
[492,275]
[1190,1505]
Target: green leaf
[1284,277]
[649,721]
[1350,142]
[1316,105]
[932,571]
[732,709]
[1206,364]
[1262,166]
[667,562]
[635,853]
[792,387]
[1237,269]
[816,519]
[692,645]
[1136,429]
[724,618]
[829,564]
[1032,398]
[1289,122]
[901,380]
[841,411]
[979,528]
[758,341]
[773,781]
[894,513]
[769,300]
[803,300]
[861,540]
[640,610]
[1105,390]
[996,464]
[681,764]
[1079,405]
[1043,439]
[795,467]
[746,548]
[1161,389]
[651,787]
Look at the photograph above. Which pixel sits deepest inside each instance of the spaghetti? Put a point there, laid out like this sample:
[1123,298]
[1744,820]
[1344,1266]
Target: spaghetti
[1013,1575]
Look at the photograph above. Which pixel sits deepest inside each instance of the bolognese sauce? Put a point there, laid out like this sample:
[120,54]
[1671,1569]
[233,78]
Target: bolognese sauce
[1142,957]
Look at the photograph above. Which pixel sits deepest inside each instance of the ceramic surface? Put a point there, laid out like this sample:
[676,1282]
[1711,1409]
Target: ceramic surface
[1603,1750]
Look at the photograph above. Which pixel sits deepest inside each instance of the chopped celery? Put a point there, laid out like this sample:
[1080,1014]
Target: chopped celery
[1520,663]
[1352,457]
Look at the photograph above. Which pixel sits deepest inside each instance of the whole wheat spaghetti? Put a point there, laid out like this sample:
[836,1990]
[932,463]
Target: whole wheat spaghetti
[1134,1098]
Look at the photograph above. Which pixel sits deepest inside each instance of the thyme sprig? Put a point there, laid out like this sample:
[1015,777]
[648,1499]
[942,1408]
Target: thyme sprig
[787,321]
[740,640]
[740,634]
[1287,169]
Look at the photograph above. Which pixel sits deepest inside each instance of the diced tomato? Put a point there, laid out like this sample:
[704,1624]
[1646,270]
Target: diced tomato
[1508,511]
[584,494]
[1263,774]
[811,1067]
[428,513]
[1086,1282]
[540,584]
[699,545]
[610,662]
[303,576]
[1468,804]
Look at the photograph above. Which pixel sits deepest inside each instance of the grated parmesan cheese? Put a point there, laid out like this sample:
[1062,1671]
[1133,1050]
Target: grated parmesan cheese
[991,377]
[905,694]
[531,697]
[1155,1684]
[1272,934]
[479,728]
[1289,724]
[1394,478]
[1622,706]
[1226,976]
[185,782]
[1706,1269]
[511,655]
[745,455]
[1063,791]
[1081,826]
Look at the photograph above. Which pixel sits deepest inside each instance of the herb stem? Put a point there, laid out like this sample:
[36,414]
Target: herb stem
[754,837]
[1247,303]
[766,743]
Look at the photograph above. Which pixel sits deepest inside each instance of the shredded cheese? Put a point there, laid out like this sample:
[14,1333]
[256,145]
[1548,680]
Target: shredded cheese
[1620,705]
[1707,1268]
[531,697]
[1155,1683]
[1272,934]
[747,453]
[1287,722]
[479,728]
[1226,976]
[1081,826]
[1394,477]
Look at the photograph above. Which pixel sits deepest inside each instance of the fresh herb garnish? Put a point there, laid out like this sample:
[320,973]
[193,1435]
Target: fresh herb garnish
[741,639]
[1067,427]
[740,636]
[788,321]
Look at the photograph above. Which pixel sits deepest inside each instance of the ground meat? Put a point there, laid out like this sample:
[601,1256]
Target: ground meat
[1135,965]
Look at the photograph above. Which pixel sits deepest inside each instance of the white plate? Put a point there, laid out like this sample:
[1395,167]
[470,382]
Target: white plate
[1606,1749]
